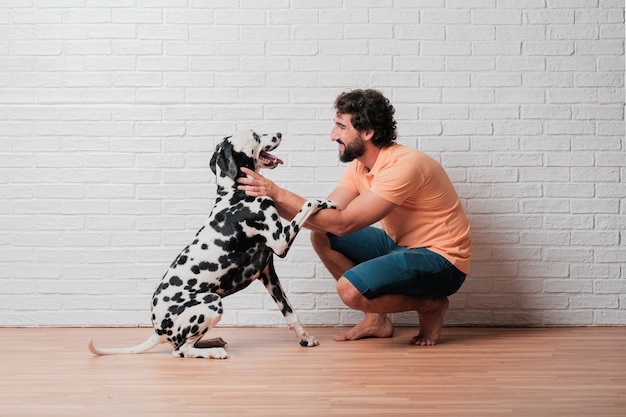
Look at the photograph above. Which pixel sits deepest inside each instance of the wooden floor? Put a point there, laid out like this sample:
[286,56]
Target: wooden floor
[472,372]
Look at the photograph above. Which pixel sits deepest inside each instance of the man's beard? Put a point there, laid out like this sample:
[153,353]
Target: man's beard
[352,151]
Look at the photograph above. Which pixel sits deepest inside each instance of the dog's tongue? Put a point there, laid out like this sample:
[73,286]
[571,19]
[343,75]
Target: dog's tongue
[274,160]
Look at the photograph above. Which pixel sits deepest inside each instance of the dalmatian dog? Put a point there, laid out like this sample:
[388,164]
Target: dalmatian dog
[233,248]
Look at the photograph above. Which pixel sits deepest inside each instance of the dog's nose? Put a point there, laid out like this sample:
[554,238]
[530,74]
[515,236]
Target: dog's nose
[279,135]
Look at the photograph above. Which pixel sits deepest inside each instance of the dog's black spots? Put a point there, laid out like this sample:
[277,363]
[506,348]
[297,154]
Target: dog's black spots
[248,273]
[205,287]
[232,281]
[256,222]
[201,319]
[207,266]
[167,324]
[304,343]
[266,204]
[286,231]
[162,287]
[204,266]
[210,298]
[182,260]
[178,309]
[279,297]
[242,214]
[237,259]
[224,262]
[191,284]
[176,281]
[204,246]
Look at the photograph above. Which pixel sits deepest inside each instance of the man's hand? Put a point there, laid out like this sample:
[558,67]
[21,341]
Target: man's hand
[256,185]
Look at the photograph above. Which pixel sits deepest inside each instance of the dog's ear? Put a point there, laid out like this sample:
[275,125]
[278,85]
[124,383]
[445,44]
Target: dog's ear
[213,163]
[223,158]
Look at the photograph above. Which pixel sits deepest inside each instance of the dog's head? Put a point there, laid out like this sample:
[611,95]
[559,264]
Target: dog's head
[245,149]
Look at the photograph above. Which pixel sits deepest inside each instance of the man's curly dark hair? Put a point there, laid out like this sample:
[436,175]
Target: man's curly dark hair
[370,110]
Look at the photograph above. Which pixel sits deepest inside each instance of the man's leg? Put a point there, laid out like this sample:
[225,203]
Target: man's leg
[334,261]
[431,313]
[374,324]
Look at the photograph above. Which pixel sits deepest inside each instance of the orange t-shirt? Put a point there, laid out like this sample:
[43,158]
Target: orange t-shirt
[428,211]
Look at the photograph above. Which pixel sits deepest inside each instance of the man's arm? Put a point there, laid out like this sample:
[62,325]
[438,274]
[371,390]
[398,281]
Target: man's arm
[355,212]
[362,211]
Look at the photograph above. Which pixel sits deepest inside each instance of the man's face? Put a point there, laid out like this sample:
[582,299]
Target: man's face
[351,144]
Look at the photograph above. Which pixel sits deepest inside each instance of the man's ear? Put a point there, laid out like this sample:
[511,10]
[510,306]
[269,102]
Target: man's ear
[367,135]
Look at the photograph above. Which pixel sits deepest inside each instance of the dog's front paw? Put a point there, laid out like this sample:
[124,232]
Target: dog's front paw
[309,341]
[323,204]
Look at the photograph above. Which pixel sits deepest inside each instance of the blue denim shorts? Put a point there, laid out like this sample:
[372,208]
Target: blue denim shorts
[383,267]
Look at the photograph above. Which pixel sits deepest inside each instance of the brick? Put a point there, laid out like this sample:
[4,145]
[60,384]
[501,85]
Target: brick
[123,48]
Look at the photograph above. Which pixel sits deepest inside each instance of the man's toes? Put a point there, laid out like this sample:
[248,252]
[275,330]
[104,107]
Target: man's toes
[420,340]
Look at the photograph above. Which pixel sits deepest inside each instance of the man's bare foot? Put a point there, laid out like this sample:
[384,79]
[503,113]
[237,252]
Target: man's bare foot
[373,325]
[431,321]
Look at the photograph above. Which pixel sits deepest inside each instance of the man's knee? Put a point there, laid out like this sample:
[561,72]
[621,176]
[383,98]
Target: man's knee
[349,294]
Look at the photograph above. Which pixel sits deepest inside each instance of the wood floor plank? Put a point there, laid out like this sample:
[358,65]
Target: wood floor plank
[472,372]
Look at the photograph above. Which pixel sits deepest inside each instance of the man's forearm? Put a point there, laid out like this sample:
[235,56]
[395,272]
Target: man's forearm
[287,203]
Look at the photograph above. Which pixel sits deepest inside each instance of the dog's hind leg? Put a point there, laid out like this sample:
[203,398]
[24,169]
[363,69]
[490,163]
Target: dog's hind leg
[192,323]
[272,284]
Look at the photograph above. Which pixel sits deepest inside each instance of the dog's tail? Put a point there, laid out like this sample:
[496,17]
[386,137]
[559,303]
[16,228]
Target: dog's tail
[153,341]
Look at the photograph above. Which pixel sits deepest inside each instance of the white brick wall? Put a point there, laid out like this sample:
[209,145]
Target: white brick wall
[110,109]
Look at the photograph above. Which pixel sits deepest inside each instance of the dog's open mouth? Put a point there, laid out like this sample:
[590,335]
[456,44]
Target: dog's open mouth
[269,161]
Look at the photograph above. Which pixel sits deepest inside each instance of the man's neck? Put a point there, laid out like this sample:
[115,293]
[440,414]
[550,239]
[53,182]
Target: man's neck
[369,157]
